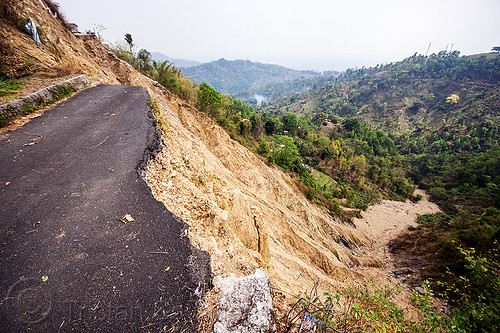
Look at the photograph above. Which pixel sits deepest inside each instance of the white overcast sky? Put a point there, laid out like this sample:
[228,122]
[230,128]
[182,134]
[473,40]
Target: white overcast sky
[306,34]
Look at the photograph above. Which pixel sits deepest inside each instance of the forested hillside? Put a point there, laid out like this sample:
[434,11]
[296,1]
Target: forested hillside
[440,111]
[376,133]
[244,78]
[437,119]
[416,93]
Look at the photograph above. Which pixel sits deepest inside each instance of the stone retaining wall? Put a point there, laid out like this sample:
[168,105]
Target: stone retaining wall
[36,99]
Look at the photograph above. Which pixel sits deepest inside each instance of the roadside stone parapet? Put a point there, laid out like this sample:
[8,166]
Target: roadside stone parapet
[39,98]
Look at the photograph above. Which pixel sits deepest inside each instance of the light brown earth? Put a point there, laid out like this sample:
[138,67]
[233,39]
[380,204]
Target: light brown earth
[387,219]
[245,213]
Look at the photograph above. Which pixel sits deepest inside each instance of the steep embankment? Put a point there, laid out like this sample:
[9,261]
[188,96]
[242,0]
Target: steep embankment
[245,213]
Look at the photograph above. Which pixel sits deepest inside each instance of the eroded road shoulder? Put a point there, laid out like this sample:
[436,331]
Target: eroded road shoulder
[71,259]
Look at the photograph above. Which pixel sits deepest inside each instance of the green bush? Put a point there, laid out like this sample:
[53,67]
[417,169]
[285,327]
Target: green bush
[367,308]
[475,295]
[438,193]
[8,85]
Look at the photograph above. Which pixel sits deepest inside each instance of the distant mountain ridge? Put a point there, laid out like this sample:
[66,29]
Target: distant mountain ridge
[415,93]
[158,56]
[244,78]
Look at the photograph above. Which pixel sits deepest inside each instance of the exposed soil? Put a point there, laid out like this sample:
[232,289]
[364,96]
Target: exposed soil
[243,212]
[387,219]
[247,214]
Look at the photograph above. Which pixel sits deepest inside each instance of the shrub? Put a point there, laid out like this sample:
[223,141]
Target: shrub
[476,294]
[438,193]
[8,85]
[367,308]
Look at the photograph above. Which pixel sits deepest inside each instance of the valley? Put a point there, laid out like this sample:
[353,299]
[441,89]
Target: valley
[352,183]
[253,82]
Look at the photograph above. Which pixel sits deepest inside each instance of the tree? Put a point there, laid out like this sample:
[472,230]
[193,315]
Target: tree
[496,49]
[270,127]
[452,99]
[319,118]
[209,98]
[264,149]
[352,124]
[323,145]
[128,39]
[257,124]
[290,123]
[245,127]
[285,153]
[144,58]
[166,74]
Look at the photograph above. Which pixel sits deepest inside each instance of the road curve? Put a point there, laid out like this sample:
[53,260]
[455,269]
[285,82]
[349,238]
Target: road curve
[67,262]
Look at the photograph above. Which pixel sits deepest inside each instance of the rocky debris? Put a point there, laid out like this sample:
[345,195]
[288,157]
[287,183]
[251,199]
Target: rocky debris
[17,107]
[403,271]
[245,304]
[420,290]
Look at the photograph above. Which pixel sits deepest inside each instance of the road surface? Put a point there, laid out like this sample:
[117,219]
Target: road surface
[70,260]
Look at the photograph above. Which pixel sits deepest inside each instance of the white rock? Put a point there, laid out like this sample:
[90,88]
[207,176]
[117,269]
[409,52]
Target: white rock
[224,215]
[245,304]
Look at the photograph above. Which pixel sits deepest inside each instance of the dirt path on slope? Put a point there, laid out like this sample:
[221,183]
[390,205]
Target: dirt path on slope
[384,222]
[387,219]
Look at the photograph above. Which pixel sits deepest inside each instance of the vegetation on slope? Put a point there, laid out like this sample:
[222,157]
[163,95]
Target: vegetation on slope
[409,95]
[365,308]
[441,115]
[353,168]
[449,147]
[244,78]
[8,85]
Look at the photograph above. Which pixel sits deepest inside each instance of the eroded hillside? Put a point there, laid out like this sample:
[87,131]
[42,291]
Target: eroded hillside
[245,213]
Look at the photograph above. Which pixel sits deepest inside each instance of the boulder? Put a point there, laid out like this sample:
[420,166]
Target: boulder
[245,304]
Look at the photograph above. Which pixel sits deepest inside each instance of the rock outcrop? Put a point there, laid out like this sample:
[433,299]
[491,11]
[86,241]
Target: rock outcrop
[245,304]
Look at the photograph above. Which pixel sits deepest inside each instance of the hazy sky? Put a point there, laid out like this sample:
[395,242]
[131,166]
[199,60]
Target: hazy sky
[305,34]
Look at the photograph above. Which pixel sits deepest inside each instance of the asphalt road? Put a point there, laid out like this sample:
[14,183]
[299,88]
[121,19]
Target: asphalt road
[67,262]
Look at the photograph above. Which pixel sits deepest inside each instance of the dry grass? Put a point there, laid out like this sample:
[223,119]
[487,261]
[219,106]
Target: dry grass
[55,8]
[9,12]
[208,311]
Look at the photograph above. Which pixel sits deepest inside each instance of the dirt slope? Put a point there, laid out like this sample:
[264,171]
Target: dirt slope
[243,212]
